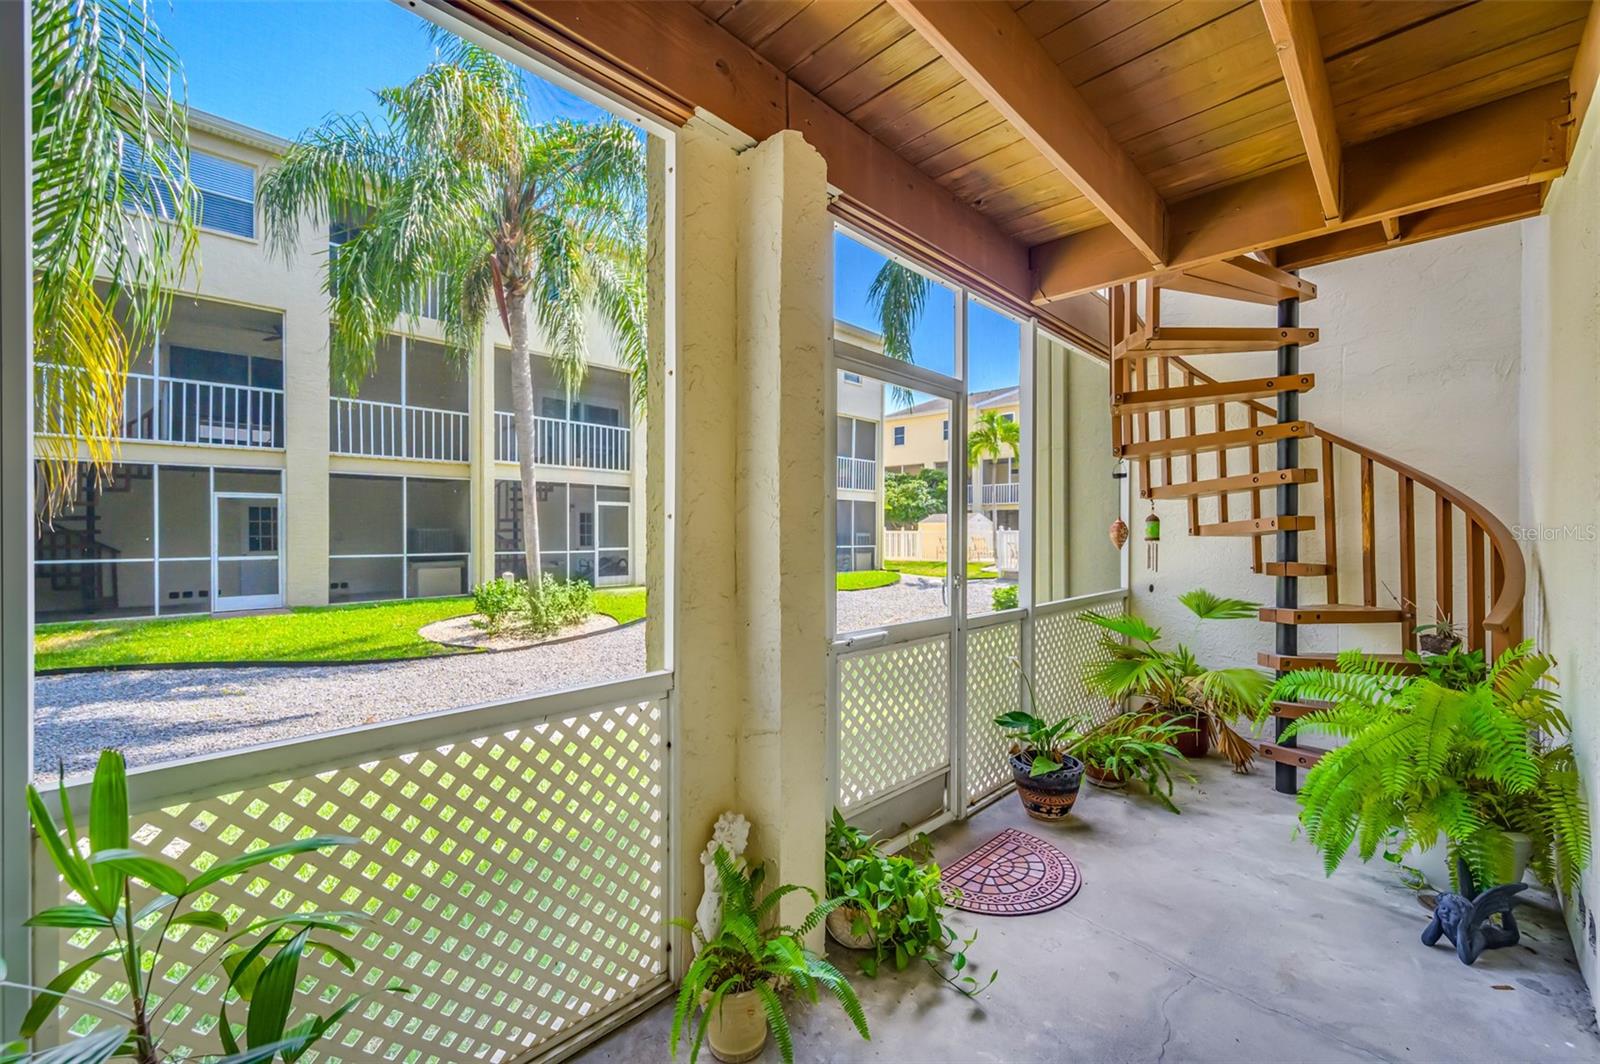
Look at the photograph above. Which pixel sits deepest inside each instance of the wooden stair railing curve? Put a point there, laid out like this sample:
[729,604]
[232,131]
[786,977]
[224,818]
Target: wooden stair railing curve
[1159,403]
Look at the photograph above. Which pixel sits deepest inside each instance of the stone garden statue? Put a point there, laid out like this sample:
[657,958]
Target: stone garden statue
[732,833]
[1464,918]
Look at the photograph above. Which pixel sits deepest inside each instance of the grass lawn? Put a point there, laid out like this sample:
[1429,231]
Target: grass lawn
[864,580]
[377,630]
[975,570]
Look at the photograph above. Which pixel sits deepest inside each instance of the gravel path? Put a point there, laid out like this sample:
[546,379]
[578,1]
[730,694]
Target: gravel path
[914,598]
[159,715]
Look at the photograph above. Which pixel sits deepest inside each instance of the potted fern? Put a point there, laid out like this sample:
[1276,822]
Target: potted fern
[737,975]
[1425,760]
[1173,684]
[1134,746]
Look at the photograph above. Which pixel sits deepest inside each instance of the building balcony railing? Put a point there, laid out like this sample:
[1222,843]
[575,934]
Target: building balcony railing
[568,444]
[176,410]
[1002,494]
[857,474]
[394,430]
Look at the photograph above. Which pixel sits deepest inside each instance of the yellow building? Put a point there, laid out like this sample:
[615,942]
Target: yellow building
[918,438]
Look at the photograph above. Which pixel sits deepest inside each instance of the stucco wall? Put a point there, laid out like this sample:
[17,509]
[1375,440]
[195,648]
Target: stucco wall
[1419,359]
[1560,391]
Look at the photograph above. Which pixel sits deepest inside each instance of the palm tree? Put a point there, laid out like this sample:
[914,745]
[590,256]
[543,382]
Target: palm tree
[992,433]
[111,199]
[898,294]
[543,222]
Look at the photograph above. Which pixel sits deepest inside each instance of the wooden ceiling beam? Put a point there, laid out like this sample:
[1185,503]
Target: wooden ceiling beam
[1504,206]
[990,46]
[1294,35]
[1517,141]
[1585,73]
[670,59]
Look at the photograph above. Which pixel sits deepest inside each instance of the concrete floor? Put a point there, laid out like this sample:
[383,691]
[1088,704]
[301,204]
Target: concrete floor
[1210,936]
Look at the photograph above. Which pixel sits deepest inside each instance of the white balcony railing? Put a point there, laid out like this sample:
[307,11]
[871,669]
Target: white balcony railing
[1002,494]
[175,410]
[857,474]
[392,430]
[569,444]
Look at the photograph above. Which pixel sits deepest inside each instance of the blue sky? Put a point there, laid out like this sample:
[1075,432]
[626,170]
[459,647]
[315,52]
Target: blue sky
[285,65]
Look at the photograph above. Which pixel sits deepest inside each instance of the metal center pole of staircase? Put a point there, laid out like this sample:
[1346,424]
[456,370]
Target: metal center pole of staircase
[1286,638]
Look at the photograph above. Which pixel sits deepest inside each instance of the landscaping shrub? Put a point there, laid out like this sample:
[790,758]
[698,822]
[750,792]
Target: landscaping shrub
[497,600]
[555,604]
[1004,597]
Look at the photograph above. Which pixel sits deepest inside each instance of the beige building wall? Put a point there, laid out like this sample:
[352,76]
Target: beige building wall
[1560,506]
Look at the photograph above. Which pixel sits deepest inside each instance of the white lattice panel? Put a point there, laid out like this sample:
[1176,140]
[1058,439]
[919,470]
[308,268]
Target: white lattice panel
[517,878]
[993,687]
[1063,642]
[893,718]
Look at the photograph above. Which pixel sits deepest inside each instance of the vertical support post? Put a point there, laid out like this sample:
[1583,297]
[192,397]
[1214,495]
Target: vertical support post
[1286,638]
[16,502]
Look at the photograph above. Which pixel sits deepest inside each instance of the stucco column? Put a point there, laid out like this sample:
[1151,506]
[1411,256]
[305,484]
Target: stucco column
[481,404]
[306,390]
[692,516]
[784,303]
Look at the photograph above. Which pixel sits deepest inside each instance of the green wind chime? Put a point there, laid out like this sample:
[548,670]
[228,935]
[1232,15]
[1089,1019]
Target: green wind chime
[1152,540]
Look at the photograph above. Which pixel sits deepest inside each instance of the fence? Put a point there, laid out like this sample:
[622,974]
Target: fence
[393,430]
[173,409]
[569,444]
[513,865]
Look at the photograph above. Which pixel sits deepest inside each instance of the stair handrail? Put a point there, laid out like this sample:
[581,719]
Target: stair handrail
[1504,615]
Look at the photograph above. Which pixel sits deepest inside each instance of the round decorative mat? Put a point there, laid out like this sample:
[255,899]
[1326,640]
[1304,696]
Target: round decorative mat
[1013,874]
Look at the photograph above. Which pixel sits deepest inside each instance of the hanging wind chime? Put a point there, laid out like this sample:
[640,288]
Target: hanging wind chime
[1152,540]
[1119,528]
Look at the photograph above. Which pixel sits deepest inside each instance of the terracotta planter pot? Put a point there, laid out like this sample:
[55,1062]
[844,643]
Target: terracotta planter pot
[737,1030]
[1101,778]
[1195,742]
[840,928]
[1049,797]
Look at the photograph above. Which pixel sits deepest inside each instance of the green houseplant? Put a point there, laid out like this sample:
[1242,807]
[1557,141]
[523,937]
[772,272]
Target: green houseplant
[1133,747]
[1174,684]
[737,975]
[141,899]
[893,905]
[1422,760]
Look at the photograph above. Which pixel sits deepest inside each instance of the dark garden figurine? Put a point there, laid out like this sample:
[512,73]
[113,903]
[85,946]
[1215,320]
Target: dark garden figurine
[1464,918]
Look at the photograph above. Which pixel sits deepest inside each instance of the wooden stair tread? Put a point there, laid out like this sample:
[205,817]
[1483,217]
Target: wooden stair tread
[1142,401]
[1185,340]
[1291,662]
[1296,568]
[1219,441]
[1259,526]
[1334,613]
[1296,710]
[1263,481]
[1298,756]
[1240,278]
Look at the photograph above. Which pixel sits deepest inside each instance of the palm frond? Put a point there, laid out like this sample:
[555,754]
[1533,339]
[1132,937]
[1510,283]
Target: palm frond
[1210,607]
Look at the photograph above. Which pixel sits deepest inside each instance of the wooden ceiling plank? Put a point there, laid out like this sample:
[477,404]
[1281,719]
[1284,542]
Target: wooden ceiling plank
[1251,156]
[1351,24]
[852,46]
[753,21]
[1047,17]
[1493,209]
[1094,27]
[953,160]
[1145,36]
[883,71]
[1294,35]
[1512,142]
[1264,108]
[809,30]
[919,93]
[992,48]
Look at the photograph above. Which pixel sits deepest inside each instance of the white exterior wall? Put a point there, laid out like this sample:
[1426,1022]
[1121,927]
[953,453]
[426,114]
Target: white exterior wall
[1560,504]
[1417,344]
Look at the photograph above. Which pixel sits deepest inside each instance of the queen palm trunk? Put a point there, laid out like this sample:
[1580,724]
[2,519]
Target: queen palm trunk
[522,404]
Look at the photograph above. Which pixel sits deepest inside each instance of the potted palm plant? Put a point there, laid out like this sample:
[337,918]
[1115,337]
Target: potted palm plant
[736,975]
[1424,760]
[1174,685]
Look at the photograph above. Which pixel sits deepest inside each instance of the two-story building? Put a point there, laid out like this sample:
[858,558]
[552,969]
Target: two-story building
[918,438]
[250,478]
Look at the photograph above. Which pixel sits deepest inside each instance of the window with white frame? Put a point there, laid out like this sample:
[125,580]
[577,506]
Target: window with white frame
[225,189]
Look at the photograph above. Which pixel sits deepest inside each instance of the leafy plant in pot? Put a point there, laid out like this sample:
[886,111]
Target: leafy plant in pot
[1134,746]
[737,975]
[1173,684]
[893,905]
[1424,760]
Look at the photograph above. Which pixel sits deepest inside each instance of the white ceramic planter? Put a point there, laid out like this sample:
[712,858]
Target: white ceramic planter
[737,1030]
[1434,864]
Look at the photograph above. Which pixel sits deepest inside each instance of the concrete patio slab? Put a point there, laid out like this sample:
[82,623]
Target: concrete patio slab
[1210,936]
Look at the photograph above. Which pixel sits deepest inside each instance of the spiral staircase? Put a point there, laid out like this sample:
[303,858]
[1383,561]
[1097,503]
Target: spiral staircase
[1238,454]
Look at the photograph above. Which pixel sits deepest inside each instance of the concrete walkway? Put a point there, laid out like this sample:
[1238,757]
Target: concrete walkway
[1210,936]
